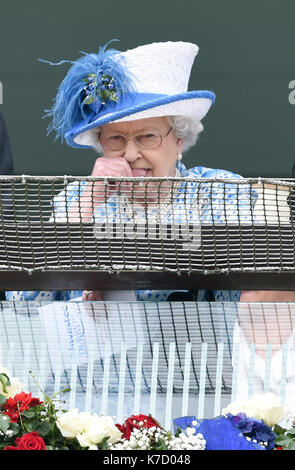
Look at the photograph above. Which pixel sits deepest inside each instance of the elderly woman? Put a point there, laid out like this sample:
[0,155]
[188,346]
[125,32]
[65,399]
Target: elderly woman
[135,110]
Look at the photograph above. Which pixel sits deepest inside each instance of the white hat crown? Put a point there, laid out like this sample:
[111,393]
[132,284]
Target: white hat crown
[163,67]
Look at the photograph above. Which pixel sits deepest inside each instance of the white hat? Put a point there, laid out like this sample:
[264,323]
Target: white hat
[112,86]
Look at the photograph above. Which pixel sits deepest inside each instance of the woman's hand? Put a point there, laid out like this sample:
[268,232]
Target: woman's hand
[109,166]
[96,192]
[267,296]
[265,317]
[92,295]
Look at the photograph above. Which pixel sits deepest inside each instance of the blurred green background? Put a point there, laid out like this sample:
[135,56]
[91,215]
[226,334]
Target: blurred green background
[246,57]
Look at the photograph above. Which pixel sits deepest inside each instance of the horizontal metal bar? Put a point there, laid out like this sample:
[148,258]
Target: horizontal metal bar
[63,256]
[94,280]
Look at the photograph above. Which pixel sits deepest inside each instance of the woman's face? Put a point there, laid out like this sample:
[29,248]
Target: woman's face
[160,161]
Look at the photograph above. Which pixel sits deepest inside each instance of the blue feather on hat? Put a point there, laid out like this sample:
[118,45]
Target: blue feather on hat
[91,81]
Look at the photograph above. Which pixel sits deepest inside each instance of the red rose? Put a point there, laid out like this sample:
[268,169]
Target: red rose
[22,401]
[29,441]
[133,423]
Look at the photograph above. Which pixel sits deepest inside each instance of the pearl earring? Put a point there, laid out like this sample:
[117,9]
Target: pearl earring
[179,157]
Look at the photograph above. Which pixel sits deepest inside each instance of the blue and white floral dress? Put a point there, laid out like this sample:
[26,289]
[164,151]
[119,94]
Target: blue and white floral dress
[218,202]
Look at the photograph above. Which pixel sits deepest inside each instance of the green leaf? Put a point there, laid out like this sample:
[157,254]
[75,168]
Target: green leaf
[284,441]
[105,94]
[113,97]
[103,445]
[4,380]
[160,445]
[28,414]
[31,426]
[290,446]
[291,431]
[89,100]
[44,428]
[4,423]
[15,428]
[279,430]
[65,390]
[2,399]
[90,75]
[178,431]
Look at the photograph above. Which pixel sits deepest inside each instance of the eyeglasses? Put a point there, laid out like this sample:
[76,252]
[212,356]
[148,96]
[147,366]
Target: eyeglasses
[148,140]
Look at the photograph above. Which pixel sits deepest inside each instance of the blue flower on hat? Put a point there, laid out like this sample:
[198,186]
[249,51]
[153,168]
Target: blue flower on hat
[99,91]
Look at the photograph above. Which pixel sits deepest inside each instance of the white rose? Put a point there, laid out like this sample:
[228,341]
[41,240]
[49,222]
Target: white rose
[89,430]
[82,439]
[103,426]
[97,429]
[14,387]
[266,406]
[72,422]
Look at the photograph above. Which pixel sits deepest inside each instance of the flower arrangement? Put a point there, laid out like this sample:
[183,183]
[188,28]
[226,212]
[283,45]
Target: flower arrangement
[27,423]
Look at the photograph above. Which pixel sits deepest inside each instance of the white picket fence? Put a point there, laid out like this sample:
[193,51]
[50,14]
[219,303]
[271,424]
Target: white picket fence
[167,359]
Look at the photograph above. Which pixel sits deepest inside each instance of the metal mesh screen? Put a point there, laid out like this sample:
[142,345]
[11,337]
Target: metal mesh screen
[191,226]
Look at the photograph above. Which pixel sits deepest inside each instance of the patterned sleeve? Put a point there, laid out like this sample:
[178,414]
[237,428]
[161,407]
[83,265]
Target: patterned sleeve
[225,202]
[30,295]
[63,200]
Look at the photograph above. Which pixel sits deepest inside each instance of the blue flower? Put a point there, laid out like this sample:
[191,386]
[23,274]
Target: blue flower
[220,433]
[254,429]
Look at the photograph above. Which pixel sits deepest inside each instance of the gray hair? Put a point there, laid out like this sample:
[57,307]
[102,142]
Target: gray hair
[184,127]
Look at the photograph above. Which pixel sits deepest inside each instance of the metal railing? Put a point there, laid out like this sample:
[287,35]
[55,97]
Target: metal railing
[240,232]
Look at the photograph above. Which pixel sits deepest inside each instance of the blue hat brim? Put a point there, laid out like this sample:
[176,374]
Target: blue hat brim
[134,103]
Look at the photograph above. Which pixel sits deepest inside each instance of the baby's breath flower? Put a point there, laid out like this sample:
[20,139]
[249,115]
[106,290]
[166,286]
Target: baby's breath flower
[143,438]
